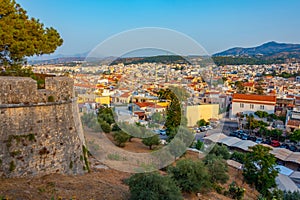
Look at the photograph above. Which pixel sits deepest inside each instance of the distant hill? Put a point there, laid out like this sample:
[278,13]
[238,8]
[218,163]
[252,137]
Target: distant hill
[268,53]
[59,60]
[166,59]
[269,49]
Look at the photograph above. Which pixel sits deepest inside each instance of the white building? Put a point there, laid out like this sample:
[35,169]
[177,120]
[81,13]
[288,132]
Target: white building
[250,103]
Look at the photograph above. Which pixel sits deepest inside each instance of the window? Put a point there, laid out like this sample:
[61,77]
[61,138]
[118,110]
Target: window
[241,105]
[262,107]
[251,106]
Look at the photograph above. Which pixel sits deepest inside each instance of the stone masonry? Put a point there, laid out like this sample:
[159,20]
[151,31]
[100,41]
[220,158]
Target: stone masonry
[40,130]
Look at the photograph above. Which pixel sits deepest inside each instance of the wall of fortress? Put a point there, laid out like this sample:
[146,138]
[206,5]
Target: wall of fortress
[40,130]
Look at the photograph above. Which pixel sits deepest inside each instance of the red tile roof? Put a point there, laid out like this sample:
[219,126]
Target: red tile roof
[295,123]
[254,97]
[126,94]
[248,84]
[140,113]
[144,104]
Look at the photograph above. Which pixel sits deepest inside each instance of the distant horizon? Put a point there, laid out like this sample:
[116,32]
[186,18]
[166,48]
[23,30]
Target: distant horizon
[84,54]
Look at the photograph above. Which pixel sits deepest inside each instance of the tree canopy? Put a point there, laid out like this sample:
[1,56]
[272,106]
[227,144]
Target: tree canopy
[259,168]
[295,136]
[202,122]
[220,150]
[261,114]
[150,141]
[121,138]
[217,168]
[22,36]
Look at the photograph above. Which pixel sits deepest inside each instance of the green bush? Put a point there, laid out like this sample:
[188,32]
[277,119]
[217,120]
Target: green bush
[238,157]
[261,114]
[291,195]
[236,192]
[217,168]
[199,145]
[150,141]
[220,150]
[12,166]
[51,99]
[190,176]
[152,186]
[105,127]
[121,138]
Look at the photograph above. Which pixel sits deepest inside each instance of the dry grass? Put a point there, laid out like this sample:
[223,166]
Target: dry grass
[100,183]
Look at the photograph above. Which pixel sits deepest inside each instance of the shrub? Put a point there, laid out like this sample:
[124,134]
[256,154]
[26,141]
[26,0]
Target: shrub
[217,168]
[236,192]
[12,166]
[238,157]
[116,127]
[291,195]
[121,138]
[150,186]
[150,141]
[199,145]
[51,99]
[105,127]
[190,176]
[220,150]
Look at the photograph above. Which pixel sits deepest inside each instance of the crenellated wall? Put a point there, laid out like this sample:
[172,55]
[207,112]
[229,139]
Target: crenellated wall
[40,130]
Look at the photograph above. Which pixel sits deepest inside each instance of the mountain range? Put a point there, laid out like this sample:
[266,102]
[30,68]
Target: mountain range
[266,50]
[270,52]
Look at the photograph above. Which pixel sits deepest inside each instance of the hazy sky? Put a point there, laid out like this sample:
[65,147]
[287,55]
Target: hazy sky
[216,25]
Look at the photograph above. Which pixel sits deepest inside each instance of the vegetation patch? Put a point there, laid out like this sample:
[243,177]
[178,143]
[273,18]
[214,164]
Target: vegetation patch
[71,164]
[12,166]
[15,153]
[85,158]
[18,138]
[51,99]
[114,157]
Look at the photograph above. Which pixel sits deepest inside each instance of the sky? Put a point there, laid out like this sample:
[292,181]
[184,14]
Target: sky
[215,24]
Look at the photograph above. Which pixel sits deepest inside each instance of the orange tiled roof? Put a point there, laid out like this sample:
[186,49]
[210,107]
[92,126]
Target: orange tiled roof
[126,94]
[248,84]
[144,104]
[293,123]
[253,97]
[140,113]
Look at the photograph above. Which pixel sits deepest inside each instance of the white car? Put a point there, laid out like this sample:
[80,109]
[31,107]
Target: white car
[209,127]
[203,128]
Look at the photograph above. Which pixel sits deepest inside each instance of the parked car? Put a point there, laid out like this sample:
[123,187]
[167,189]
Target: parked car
[244,136]
[252,138]
[267,141]
[286,146]
[209,127]
[241,131]
[259,140]
[233,134]
[203,128]
[197,130]
[162,132]
[293,148]
[275,143]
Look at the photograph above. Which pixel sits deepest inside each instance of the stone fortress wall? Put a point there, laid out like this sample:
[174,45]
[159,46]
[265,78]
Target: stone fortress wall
[40,129]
